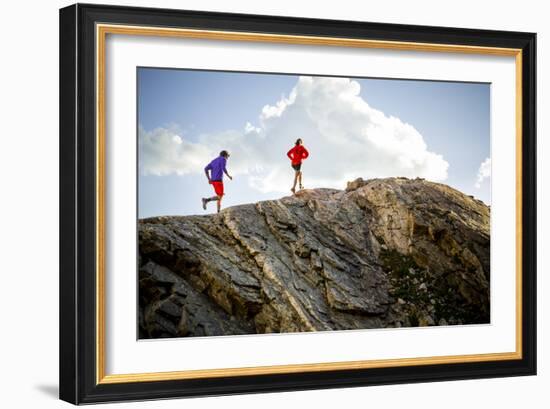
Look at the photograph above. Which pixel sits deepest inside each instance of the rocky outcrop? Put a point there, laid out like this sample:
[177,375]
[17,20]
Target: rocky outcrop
[383,253]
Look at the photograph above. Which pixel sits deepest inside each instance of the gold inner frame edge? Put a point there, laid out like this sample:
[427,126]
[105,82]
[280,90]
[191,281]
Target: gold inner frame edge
[101,32]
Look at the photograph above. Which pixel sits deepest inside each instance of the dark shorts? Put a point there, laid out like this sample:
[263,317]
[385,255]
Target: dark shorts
[218,187]
[297,167]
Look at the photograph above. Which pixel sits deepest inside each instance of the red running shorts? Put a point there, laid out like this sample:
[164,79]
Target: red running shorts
[218,187]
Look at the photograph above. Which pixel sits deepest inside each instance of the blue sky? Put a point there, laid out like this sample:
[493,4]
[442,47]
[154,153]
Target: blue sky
[352,127]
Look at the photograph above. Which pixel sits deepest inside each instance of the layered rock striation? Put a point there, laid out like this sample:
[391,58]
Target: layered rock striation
[383,253]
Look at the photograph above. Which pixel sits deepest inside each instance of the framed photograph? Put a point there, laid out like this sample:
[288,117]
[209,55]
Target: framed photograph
[257,203]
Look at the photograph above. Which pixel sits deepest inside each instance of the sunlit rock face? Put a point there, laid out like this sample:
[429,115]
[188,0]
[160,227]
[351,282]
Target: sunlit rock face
[383,253]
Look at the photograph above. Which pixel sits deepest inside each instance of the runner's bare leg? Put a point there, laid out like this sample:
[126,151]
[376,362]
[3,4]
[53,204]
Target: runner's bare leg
[219,202]
[293,190]
[300,179]
[210,199]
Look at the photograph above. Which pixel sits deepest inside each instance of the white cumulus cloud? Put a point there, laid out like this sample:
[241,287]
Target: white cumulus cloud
[248,128]
[484,172]
[346,138]
[163,152]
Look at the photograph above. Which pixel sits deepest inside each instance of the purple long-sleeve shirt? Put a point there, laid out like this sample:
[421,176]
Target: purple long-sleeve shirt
[217,168]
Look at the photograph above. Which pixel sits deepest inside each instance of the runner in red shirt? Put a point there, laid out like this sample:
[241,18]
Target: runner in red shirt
[297,155]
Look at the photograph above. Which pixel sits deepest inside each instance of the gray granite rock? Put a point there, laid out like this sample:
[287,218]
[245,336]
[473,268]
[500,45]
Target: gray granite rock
[321,260]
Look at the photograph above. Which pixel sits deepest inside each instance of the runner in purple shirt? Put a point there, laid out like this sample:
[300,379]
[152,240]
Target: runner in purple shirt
[216,168]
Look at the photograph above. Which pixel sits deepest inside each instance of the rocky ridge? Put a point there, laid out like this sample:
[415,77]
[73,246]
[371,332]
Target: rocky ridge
[383,253]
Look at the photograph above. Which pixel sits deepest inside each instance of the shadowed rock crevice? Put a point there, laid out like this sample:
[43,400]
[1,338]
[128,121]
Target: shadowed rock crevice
[383,253]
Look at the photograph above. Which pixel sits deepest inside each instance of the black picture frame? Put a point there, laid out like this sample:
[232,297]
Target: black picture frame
[78,310]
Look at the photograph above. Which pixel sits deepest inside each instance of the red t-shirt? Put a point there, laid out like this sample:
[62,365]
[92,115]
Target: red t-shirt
[297,154]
